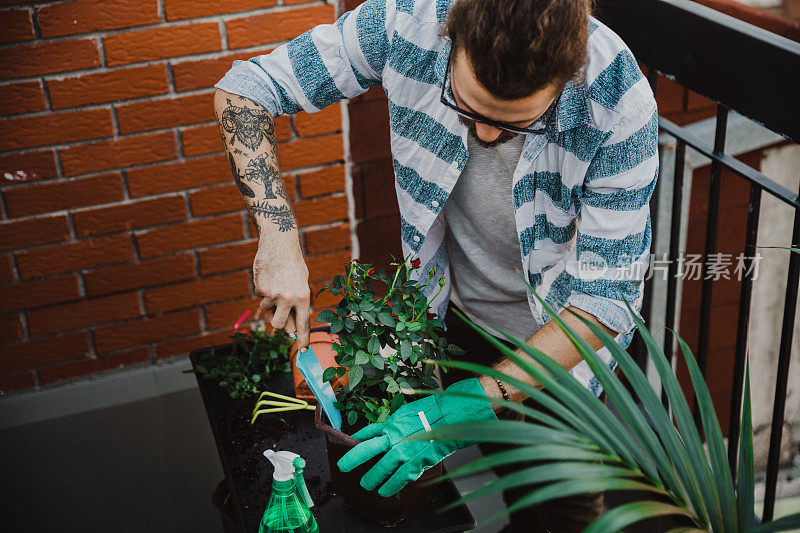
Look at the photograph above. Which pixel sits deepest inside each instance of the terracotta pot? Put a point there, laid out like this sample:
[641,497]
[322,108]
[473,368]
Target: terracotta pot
[386,512]
[321,342]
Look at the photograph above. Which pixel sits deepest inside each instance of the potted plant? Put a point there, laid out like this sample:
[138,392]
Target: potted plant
[662,455]
[386,345]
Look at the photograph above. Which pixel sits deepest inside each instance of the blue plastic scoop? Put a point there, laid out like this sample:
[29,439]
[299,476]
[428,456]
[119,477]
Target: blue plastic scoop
[309,367]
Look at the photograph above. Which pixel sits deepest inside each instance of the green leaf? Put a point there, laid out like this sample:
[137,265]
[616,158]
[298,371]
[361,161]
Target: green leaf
[455,350]
[338,281]
[341,371]
[322,289]
[352,416]
[342,312]
[745,484]
[784,523]
[326,316]
[405,350]
[337,325]
[413,326]
[383,416]
[374,345]
[256,377]
[362,357]
[377,360]
[630,513]
[355,375]
[329,373]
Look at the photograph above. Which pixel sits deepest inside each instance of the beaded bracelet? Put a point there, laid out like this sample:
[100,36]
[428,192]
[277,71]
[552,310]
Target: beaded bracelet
[503,390]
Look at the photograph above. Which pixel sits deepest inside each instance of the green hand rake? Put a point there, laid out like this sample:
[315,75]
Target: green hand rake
[284,403]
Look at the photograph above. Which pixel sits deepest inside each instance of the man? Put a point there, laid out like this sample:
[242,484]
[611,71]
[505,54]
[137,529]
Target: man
[523,139]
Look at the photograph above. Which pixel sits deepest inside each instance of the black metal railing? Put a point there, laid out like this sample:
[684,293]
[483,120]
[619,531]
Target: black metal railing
[756,74]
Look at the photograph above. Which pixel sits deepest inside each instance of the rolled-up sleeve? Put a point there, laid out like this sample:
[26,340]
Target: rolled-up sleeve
[327,63]
[613,231]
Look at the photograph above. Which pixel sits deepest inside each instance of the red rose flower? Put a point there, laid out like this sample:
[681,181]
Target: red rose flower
[356,261]
[429,314]
[415,263]
[370,272]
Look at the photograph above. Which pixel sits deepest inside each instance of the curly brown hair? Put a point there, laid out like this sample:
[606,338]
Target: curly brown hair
[518,47]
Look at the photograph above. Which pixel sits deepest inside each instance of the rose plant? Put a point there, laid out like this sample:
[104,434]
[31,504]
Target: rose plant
[366,323]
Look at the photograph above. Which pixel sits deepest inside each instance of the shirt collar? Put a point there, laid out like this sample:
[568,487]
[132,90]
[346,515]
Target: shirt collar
[573,107]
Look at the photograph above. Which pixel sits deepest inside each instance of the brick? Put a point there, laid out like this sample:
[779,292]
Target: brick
[326,266]
[30,354]
[18,98]
[165,113]
[29,294]
[215,200]
[185,346]
[17,26]
[320,210]
[118,153]
[59,195]
[55,128]
[276,26]
[134,215]
[310,152]
[201,140]
[193,234]
[200,291]
[147,330]
[17,381]
[162,42]
[92,365]
[201,73]
[328,120]
[10,328]
[186,9]
[72,18]
[225,258]
[101,87]
[6,269]
[84,313]
[48,58]
[178,176]
[21,234]
[74,256]
[324,181]
[27,166]
[140,274]
[225,314]
[327,239]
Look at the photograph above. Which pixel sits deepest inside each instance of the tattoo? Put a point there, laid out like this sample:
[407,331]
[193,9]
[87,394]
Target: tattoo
[280,215]
[243,187]
[248,126]
[260,169]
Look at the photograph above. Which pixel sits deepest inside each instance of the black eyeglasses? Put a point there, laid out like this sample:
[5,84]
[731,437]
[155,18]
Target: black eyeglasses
[483,120]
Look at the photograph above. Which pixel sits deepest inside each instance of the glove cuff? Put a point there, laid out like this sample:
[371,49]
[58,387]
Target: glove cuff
[456,409]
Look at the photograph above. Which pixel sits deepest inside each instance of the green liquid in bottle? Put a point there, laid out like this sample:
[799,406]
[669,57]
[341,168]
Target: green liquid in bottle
[286,512]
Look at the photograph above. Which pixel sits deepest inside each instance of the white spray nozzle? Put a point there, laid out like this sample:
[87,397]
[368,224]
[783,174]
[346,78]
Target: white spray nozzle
[282,461]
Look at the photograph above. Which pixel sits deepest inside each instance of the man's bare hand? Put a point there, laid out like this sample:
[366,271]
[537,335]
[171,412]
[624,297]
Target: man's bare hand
[282,282]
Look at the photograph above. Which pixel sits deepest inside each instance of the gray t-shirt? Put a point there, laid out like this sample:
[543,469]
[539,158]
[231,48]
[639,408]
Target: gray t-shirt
[482,240]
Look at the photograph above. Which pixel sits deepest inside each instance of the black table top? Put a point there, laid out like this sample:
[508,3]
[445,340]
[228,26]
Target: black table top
[249,474]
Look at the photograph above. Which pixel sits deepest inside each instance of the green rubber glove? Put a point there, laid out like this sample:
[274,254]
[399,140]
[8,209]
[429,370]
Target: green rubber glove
[406,460]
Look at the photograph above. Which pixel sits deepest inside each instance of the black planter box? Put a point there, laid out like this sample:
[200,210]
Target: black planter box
[249,474]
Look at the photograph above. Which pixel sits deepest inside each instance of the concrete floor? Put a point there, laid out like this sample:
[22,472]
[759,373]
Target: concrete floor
[146,465]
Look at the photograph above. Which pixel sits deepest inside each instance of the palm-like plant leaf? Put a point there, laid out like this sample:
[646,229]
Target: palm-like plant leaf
[581,449]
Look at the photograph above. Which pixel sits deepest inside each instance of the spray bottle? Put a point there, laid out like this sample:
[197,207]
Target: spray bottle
[288,507]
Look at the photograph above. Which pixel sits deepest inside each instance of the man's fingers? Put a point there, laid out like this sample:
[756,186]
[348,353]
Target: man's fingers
[281,315]
[290,325]
[363,452]
[303,323]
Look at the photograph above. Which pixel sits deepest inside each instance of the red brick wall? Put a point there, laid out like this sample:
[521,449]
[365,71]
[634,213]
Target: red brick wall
[122,238]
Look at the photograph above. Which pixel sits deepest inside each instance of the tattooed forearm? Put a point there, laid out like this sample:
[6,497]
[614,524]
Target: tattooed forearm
[281,214]
[243,188]
[262,170]
[247,126]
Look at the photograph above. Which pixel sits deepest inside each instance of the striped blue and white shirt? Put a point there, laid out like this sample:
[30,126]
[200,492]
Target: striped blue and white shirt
[581,190]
